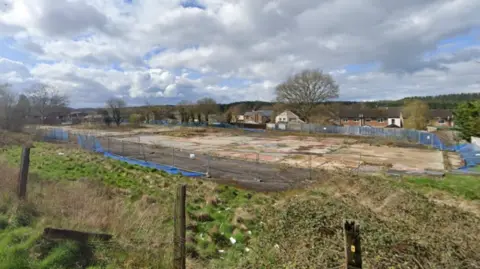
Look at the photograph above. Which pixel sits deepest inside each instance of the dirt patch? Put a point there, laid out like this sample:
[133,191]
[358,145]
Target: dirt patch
[464,205]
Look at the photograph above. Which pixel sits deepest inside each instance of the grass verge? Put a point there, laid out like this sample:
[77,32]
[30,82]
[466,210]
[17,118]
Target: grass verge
[464,186]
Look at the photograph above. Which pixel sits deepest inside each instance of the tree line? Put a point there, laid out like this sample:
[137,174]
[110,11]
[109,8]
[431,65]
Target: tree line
[116,111]
[40,100]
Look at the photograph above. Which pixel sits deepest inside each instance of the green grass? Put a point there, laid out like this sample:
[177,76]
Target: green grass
[23,247]
[467,187]
[295,229]
[213,223]
[52,162]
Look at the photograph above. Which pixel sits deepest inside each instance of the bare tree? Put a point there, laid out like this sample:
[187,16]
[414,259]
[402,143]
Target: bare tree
[23,107]
[106,117]
[207,106]
[185,108]
[7,106]
[305,90]
[163,112]
[114,105]
[46,100]
[148,111]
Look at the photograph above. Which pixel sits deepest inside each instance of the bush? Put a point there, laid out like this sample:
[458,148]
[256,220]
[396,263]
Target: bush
[135,119]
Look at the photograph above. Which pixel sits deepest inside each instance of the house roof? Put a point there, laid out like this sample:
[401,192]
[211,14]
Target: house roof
[266,113]
[290,114]
[441,113]
[394,112]
[366,112]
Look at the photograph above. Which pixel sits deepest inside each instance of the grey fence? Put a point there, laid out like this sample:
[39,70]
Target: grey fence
[249,169]
[420,137]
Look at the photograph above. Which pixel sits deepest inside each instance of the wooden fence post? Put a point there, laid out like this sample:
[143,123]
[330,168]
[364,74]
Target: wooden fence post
[23,175]
[179,255]
[208,165]
[353,251]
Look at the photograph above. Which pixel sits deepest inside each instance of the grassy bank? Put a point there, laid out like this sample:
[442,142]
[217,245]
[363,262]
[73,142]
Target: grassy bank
[464,186]
[68,188]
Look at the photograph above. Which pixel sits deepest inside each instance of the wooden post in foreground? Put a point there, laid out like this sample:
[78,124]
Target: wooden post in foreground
[23,175]
[353,251]
[179,255]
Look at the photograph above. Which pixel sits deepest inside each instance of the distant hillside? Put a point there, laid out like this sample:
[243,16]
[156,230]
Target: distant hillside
[446,101]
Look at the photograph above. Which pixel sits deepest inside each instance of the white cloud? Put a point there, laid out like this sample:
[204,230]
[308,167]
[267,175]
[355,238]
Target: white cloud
[259,41]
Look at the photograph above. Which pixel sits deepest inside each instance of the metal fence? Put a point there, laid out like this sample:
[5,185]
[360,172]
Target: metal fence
[420,137]
[245,167]
[255,170]
[470,153]
[414,136]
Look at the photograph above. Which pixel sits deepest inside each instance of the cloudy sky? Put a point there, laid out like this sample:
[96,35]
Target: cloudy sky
[165,51]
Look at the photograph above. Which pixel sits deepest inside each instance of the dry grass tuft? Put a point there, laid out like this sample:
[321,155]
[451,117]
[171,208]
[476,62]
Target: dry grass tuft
[138,227]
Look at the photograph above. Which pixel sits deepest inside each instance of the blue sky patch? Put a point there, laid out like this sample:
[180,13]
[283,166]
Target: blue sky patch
[9,51]
[153,52]
[454,44]
[191,4]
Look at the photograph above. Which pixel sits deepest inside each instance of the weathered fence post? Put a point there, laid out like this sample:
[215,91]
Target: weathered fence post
[179,255]
[139,147]
[353,251]
[208,165]
[123,148]
[173,156]
[23,175]
[144,155]
[108,144]
[257,163]
[310,165]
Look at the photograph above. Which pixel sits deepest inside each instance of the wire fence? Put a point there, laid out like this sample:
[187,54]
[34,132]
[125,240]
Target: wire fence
[256,170]
[247,167]
[470,153]
[414,136]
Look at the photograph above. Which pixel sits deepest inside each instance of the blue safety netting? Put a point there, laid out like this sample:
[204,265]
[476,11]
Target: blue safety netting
[93,144]
[169,169]
[470,153]
[56,134]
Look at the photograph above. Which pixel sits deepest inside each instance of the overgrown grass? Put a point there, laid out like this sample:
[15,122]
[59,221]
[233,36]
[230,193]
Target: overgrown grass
[218,215]
[467,187]
[69,188]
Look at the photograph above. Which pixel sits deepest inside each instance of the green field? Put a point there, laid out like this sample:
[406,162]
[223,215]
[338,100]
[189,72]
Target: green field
[226,227]
[467,187]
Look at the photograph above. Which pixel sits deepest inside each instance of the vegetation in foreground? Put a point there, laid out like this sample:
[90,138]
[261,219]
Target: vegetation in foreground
[69,188]
[467,187]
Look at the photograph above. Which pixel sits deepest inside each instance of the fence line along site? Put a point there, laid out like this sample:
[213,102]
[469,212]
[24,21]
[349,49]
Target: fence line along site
[282,163]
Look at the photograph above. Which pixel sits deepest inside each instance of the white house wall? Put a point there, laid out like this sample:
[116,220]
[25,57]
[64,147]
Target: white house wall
[397,121]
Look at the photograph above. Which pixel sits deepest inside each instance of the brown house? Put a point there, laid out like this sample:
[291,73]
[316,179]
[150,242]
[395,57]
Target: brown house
[364,117]
[441,117]
[258,116]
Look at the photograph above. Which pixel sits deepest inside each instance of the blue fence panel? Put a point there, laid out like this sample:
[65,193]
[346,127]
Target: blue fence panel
[57,134]
[471,154]
[169,169]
